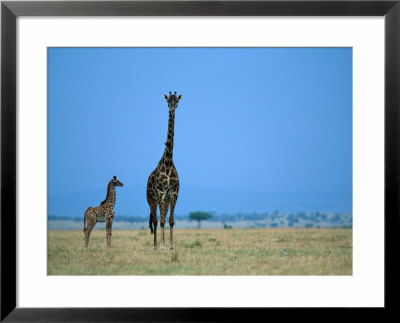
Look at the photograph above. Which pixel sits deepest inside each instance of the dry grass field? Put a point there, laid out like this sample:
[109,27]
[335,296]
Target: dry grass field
[204,252]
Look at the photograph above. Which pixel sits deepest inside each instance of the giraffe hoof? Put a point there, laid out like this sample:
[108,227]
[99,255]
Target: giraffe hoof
[162,248]
[155,248]
[171,248]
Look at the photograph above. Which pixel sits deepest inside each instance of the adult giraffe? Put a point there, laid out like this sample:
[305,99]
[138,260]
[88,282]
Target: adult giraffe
[163,182]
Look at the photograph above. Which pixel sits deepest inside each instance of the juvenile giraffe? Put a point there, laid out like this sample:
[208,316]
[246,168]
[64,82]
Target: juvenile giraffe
[102,213]
[163,182]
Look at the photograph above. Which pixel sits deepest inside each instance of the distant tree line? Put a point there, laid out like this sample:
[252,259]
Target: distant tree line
[121,218]
[273,219]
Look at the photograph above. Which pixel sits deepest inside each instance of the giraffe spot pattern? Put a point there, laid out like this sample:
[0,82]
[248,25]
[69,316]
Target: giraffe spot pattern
[102,213]
[163,182]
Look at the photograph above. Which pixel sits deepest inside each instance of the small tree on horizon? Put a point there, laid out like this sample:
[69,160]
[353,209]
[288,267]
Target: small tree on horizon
[200,216]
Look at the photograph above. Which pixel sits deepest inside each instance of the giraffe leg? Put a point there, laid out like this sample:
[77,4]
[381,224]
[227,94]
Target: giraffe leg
[108,232]
[87,230]
[163,214]
[151,223]
[153,214]
[171,222]
[155,222]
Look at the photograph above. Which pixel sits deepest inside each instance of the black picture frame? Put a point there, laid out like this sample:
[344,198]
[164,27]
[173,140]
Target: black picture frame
[10,10]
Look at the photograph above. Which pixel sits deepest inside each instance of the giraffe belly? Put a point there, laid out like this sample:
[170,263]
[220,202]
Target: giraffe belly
[101,218]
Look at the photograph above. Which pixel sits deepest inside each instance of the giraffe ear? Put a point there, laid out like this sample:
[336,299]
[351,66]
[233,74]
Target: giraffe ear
[165,97]
[179,97]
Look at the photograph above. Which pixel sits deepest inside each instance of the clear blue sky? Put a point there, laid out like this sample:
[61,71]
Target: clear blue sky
[257,129]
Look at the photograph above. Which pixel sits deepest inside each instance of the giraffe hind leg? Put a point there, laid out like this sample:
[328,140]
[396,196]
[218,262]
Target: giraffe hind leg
[153,213]
[153,220]
[88,230]
[171,222]
[151,224]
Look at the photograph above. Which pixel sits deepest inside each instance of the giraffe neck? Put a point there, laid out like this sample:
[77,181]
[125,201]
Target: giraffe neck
[111,197]
[169,145]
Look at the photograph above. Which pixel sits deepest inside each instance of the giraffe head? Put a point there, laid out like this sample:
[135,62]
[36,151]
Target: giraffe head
[116,182]
[172,100]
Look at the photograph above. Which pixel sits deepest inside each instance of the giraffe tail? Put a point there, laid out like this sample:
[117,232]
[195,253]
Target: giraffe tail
[84,221]
[151,224]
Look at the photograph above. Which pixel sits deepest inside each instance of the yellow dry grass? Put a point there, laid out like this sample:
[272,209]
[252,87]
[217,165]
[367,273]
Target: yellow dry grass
[204,252]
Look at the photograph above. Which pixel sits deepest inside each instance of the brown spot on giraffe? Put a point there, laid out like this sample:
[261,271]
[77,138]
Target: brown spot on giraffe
[102,213]
[163,182]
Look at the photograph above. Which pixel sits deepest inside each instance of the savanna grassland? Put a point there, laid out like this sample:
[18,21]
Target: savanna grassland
[204,252]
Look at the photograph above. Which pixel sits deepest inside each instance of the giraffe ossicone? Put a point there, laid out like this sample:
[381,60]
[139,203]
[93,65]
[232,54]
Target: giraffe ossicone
[102,213]
[163,182]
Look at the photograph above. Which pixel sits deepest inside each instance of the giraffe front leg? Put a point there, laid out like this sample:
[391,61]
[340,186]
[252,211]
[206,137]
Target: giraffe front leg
[171,236]
[171,224]
[108,232]
[162,223]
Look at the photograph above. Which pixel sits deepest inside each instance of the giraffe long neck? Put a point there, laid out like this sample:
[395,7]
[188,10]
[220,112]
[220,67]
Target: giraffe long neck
[111,197]
[169,145]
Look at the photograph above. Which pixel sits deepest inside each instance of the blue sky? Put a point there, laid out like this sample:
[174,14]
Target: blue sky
[257,129]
